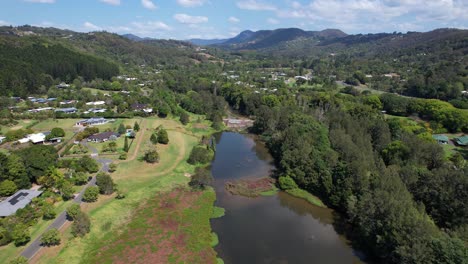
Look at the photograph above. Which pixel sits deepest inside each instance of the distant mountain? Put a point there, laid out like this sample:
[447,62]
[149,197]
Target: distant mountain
[250,40]
[132,37]
[206,42]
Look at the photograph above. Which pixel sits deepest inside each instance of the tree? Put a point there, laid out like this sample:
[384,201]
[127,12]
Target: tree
[48,211]
[37,159]
[86,163]
[154,139]
[81,225]
[16,172]
[184,118]
[20,234]
[136,126]
[105,183]
[163,138]
[126,148]
[80,178]
[121,130]
[201,179]
[67,191]
[7,188]
[151,156]
[112,167]
[56,132]
[50,237]
[200,154]
[91,194]
[73,210]
[53,178]
[19,260]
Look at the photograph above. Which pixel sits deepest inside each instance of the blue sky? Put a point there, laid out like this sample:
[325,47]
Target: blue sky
[183,19]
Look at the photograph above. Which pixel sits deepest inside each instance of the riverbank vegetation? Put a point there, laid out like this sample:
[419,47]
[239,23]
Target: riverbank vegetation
[251,188]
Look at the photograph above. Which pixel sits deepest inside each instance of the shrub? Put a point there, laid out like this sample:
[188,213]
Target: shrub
[201,179]
[163,138]
[82,225]
[287,183]
[91,194]
[200,154]
[50,237]
[48,211]
[73,210]
[20,235]
[151,156]
[7,188]
[184,118]
[105,183]
[123,156]
[112,167]
[19,260]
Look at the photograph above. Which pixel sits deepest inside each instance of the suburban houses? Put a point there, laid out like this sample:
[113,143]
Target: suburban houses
[441,139]
[35,138]
[17,201]
[103,137]
[96,103]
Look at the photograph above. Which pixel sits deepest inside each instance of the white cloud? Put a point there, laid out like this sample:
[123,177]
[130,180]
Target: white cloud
[256,5]
[90,26]
[273,21]
[4,23]
[111,2]
[41,1]
[187,19]
[233,19]
[148,4]
[191,3]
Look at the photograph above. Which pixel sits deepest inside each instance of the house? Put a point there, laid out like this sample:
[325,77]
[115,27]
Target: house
[62,85]
[2,138]
[441,139]
[96,103]
[37,110]
[35,138]
[70,110]
[94,121]
[103,137]
[462,141]
[17,201]
[142,107]
[67,102]
[95,110]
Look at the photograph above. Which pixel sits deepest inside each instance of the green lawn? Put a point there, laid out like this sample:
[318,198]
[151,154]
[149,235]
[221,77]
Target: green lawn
[140,181]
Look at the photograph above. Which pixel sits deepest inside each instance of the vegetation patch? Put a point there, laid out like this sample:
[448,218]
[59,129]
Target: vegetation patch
[299,193]
[218,212]
[166,229]
[250,188]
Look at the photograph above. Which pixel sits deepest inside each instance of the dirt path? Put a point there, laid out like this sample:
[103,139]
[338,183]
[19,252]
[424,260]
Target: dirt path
[138,142]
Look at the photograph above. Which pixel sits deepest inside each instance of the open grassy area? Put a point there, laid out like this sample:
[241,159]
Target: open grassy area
[143,184]
[22,124]
[299,193]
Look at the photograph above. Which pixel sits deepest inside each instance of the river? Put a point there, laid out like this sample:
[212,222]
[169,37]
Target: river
[274,229]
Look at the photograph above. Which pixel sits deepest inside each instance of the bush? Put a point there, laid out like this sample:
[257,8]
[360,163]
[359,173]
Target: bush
[184,118]
[19,260]
[56,132]
[91,194]
[154,139]
[123,156]
[287,183]
[48,211]
[201,179]
[7,188]
[73,211]
[163,138]
[20,235]
[82,225]
[50,237]
[200,154]
[112,167]
[151,156]
[105,183]
[80,178]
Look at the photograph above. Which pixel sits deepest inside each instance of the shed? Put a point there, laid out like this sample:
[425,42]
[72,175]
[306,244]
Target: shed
[17,201]
[441,139]
[462,141]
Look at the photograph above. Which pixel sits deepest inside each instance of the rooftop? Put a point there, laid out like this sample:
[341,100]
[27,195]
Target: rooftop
[17,201]
[443,138]
[462,140]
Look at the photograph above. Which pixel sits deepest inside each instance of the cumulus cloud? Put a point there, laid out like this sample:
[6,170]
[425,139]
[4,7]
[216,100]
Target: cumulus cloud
[41,1]
[111,2]
[148,4]
[187,19]
[191,3]
[90,26]
[233,19]
[256,5]
[4,23]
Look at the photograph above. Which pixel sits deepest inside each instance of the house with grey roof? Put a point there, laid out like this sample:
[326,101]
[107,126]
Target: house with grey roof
[17,201]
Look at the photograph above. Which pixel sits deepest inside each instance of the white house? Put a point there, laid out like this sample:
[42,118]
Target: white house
[96,103]
[34,138]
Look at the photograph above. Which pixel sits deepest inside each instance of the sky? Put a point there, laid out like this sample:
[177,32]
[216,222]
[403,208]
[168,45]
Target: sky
[208,19]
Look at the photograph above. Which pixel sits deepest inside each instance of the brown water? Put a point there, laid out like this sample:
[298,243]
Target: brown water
[275,229]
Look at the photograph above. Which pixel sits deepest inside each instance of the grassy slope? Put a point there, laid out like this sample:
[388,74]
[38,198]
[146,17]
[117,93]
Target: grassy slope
[141,182]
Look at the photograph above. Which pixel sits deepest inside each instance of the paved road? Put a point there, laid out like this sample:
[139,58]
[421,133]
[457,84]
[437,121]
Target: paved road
[35,246]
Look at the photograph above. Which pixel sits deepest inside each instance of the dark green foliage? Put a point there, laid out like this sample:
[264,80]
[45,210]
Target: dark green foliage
[201,179]
[80,178]
[126,147]
[50,237]
[154,139]
[151,156]
[48,211]
[55,133]
[136,126]
[200,154]
[184,118]
[121,130]
[66,190]
[105,183]
[81,225]
[20,235]
[37,159]
[287,183]
[19,260]
[163,137]
[88,164]
[123,156]
[91,194]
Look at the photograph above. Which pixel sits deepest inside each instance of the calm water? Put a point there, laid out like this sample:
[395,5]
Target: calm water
[276,229]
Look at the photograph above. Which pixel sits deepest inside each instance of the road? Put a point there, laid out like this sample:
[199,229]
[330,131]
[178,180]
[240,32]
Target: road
[33,248]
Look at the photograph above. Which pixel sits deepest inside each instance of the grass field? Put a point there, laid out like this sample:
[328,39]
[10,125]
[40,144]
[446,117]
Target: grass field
[143,184]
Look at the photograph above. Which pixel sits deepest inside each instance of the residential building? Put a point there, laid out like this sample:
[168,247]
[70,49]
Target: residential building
[70,110]
[17,201]
[103,137]
[94,121]
[35,138]
[62,85]
[462,141]
[441,139]
[96,103]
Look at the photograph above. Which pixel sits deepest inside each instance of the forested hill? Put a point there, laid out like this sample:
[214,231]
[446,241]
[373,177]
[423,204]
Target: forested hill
[262,39]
